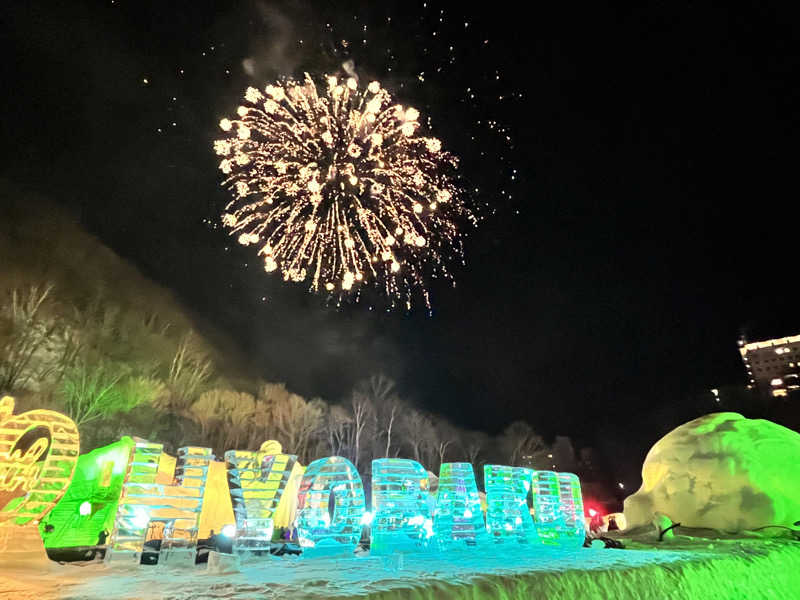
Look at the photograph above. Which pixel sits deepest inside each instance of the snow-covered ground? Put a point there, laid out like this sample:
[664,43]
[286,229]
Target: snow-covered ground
[689,569]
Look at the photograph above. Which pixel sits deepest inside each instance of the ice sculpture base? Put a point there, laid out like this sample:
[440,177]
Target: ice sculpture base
[398,547]
[323,550]
[220,564]
[22,546]
[252,556]
[177,557]
[122,558]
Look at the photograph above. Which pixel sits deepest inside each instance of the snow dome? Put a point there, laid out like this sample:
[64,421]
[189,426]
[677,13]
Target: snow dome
[722,471]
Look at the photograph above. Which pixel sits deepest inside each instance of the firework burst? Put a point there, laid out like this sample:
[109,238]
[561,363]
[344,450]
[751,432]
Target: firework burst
[337,187]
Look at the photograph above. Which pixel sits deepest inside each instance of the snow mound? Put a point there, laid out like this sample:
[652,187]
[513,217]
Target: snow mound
[721,471]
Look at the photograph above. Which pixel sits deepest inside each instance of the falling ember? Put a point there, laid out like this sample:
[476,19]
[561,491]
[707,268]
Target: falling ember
[337,187]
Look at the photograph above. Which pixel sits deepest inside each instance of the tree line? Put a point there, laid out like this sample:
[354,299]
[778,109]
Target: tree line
[128,373]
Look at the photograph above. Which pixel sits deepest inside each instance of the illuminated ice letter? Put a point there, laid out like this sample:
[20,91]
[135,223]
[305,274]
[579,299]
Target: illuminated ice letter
[574,532]
[457,519]
[38,454]
[149,509]
[318,531]
[548,517]
[256,481]
[508,518]
[401,518]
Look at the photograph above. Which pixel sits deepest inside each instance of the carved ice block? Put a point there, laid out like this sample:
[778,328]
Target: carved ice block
[318,531]
[401,518]
[38,454]
[548,516]
[256,481]
[146,506]
[457,519]
[508,518]
[574,533]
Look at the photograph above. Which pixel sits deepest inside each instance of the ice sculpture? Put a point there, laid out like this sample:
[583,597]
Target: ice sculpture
[571,501]
[147,506]
[318,531]
[458,519]
[38,454]
[401,516]
[548,517]
[256,481]
[508,517]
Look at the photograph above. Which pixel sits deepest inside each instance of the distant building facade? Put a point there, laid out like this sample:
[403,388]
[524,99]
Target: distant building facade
[773,365]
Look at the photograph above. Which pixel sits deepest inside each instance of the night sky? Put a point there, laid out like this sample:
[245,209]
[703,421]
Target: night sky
[652,220]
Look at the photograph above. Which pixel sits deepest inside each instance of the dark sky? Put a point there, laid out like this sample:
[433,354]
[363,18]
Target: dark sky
[653,220]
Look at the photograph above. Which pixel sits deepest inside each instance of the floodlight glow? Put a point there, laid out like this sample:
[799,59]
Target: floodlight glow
[229,531]
[141,519]
[85,508]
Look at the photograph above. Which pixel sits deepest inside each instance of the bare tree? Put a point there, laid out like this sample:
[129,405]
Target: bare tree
[189,371]
[441,450]
[339,422]
[296,420]
[93,391]
[389,425]
[361,408]
[420,433]
[24,331]
[225,418]
[473,443]
[520,440]
[380,391]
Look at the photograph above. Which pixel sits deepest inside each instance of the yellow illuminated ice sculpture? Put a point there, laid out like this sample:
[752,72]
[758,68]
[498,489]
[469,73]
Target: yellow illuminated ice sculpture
[151,508]
[257,481]
[38,453]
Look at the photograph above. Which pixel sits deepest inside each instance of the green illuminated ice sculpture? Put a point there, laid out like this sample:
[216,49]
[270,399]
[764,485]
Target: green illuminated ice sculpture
[508,517]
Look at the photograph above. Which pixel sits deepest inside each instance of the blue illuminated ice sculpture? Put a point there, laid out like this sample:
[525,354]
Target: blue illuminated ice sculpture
[401,514]
[319,532]
[256,481]
[457,519]
[508,517]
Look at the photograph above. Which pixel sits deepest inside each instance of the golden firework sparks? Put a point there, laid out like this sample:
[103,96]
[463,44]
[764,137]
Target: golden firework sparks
[337,187]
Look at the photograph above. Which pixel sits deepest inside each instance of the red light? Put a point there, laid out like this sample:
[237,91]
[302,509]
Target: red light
[592,512]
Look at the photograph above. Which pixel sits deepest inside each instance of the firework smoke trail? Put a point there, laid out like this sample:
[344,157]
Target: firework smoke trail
[336,187]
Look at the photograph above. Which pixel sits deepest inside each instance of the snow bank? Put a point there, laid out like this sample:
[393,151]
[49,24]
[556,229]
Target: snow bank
[721,471]
[733,569]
